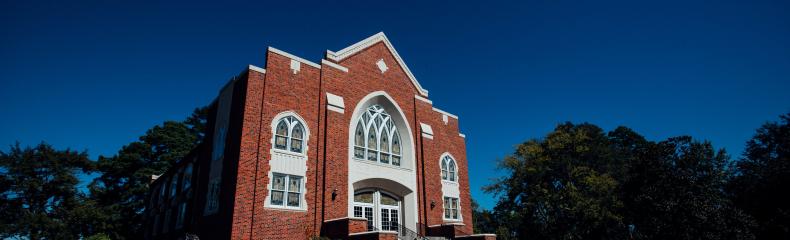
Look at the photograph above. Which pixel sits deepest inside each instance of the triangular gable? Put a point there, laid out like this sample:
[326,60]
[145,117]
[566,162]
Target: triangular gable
[370,41]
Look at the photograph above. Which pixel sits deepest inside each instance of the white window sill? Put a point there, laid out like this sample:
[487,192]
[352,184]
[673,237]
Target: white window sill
[450,182]
[287,209]
[286,152]
[377,163]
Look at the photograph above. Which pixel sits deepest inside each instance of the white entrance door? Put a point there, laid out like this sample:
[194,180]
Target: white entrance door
[382,210]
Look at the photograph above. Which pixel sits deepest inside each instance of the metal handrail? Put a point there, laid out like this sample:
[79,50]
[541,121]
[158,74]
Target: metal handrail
[406,233]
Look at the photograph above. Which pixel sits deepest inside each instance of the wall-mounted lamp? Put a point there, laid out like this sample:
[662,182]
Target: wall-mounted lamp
[433,204]
[334,194]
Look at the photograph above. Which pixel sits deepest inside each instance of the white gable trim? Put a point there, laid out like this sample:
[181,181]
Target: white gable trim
[445,113]
[418,97]
[257,69]
[292,57]
[334,65]
[370,41]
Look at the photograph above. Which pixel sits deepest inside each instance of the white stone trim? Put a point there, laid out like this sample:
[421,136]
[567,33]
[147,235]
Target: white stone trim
[448,223]
[334,65]
[426,130]
[370,41]
[478,235]
[382,65]
[370,232]
[418,97]
[445,113]
[335,100]
[335,109]
[349,218]
[289,163]
[291,56]
[403,179]
[257,69]
[462,135]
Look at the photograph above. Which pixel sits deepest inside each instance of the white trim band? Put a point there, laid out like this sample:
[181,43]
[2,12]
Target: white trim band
[291,56]
[446,113]
[334,65]
[370,41]
[418,97]
[426,130]
[257,69]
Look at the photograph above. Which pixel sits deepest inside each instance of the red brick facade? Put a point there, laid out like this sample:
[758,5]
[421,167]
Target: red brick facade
[369,72]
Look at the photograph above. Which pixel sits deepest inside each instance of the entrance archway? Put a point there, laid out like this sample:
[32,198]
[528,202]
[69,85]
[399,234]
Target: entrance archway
[380,208]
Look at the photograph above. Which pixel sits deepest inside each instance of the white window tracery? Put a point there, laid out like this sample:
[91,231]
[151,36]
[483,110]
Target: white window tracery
[376,137]
[289,135]
[449,169]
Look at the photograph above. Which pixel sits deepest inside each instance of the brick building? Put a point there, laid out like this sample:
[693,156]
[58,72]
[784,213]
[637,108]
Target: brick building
[348,148]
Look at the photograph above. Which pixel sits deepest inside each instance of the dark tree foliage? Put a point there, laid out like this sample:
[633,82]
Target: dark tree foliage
[121,189]
[582,183]
[39,198]
[762,181]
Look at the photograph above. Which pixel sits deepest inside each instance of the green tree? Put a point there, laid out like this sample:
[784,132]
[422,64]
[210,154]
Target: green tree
[676,191]
[763,178]
[581,183]
[121,188]
[39,197]
[560,187]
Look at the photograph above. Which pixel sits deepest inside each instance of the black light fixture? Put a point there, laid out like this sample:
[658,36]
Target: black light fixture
[433,204]
[334,194]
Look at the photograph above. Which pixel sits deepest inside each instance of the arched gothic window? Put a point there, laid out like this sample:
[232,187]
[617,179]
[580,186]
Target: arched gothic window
[289,135]
[376,137]
[449,169]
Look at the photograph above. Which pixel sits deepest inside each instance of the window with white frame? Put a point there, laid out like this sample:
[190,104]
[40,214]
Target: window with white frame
[451,208]
[376,137]
[286,190]
[186,178]
[289,135]
[449,169]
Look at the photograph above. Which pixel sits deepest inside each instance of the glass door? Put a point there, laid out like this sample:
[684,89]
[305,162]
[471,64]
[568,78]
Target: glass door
[371,203]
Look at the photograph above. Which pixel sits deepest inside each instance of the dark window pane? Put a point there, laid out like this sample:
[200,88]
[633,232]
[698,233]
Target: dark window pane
[293,199]
[296,145]
[277,198]
[359,152]
[280,142]
[282,128]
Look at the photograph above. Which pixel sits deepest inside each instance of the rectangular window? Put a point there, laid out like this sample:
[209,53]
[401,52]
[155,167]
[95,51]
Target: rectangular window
[182,208]
[286,190]
[166,224]
[212,197]
[451,208]
[173,186]
[359,152]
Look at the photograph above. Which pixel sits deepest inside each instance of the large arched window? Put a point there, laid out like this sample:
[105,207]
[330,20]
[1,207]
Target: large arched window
[449,169]
[289,135]
[376,137]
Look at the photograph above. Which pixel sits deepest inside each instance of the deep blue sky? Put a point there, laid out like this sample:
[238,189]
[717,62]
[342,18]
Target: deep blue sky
[96,75]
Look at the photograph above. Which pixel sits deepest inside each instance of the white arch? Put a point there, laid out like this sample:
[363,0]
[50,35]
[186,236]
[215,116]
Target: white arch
[290,113]
[404,175]
[363,104]
[441,159]
[287,162]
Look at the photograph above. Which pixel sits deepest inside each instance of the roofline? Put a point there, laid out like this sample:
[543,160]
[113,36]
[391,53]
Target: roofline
[370,41]
[291,56]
